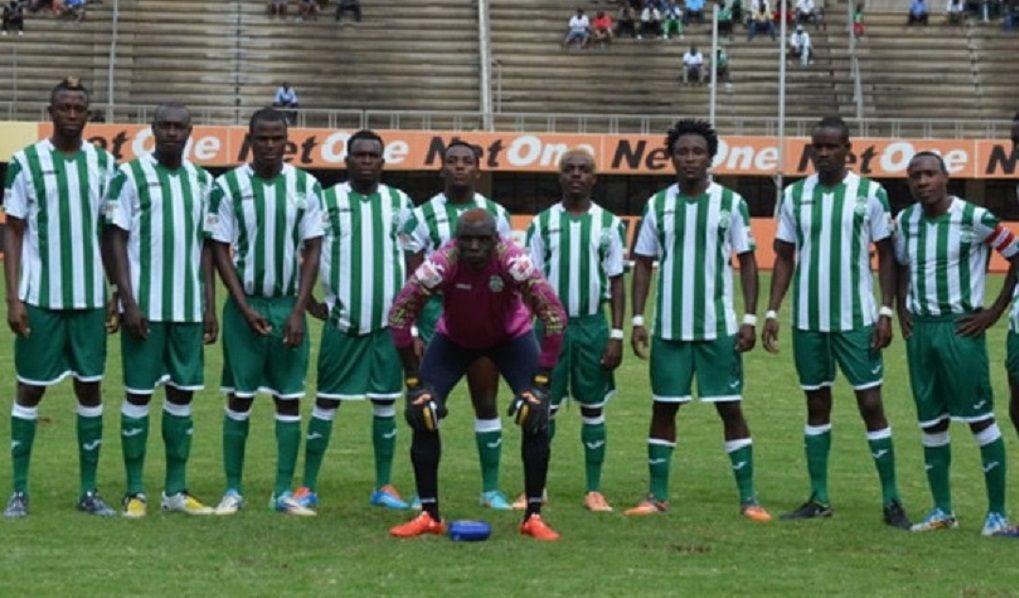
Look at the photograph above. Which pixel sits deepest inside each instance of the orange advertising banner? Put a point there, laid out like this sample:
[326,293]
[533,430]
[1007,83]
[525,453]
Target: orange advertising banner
[540,152]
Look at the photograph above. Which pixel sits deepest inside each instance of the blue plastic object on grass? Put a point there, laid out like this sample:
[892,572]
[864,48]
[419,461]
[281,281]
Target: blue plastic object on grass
[469,531]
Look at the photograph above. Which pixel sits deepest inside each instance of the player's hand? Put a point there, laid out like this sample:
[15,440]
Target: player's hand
[318,310]
[746,338]
[135,323]
[210,325]
[293,329]
[257,321]
[974,324]
[112,314]
[905,324]
[882,336]
[17,318]
[769,336]
[612,356]
[639,342]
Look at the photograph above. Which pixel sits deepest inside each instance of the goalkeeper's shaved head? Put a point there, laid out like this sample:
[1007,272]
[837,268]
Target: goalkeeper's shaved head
[476,221]
[476,236]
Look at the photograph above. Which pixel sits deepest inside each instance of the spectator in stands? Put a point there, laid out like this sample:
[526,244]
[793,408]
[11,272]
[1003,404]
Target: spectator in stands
[286,101]
[807,12]
[859,30]
[277,8]
[694,11]
[722,68]
[955,12]
[799,46]
[760,20]
[578,30]
[626,22]
[1010,14]
[790,15]
[693,65]
[352,6]
[74,8]
[650,20]
[601,28]
[726,17]
[308,9]
[672,20]
[13,18]
[918,13]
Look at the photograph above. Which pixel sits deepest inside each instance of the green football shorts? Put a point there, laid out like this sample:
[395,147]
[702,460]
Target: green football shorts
[717,365]
[61,342]
[816,354]
[578,373]
[949,373]
[352,366]
[253,363]
[172,354]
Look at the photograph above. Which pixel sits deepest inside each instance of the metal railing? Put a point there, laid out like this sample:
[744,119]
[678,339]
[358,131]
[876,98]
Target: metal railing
[540,122]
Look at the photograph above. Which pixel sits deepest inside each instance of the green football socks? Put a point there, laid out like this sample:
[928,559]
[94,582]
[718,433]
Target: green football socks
[659,458]
[178,428]
[883,452]
[134,434]
[90,439]
[320,428]
[235,437]
[992,455]
[937,455]
[741,456]
[488,437]
[384,442]
[817,442]
[23,422]
[288,443]
[592,435]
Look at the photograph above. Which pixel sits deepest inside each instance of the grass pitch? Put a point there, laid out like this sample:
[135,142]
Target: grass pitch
[701,546]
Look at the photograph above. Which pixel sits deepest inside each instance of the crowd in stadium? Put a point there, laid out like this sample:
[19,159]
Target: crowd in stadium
[310,9]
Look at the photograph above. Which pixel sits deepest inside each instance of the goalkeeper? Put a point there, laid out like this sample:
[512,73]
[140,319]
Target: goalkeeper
[491,291]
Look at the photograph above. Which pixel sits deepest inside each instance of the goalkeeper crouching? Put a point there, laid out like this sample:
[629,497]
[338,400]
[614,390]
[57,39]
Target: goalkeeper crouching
[491,291]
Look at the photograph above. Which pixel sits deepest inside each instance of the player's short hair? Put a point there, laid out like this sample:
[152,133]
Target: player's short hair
[270,115]
[578,152]
[930,154]
[68,84]
[366,134]
[689,126]
[461,143]
[170,105]
[834,122]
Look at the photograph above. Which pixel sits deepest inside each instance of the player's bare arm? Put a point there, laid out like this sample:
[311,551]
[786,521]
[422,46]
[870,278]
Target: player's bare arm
[639,340]
[886,280]
[293,330]
[17,315]
[613,354]
[974,324]
[749,281]
[781,275]
[209,321]
[119,271]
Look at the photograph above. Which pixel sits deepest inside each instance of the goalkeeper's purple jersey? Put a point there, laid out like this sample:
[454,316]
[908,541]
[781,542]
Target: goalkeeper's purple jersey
[482,308]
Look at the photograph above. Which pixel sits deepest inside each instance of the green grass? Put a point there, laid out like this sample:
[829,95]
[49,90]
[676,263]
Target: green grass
[701,546]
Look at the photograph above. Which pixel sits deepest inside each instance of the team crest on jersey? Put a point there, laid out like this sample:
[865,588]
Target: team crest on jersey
[861,205]
[521,268]
[301,203]
[429,274]
[724,219]
[606,238]
[496,283]
[966,234]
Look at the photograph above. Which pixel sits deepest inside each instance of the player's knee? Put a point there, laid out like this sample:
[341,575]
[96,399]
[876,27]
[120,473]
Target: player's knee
[178,396]
[287,407]
[936,428]
[136,399]
[986,428]
[30,395]
[383,408]
[239,404]
[592,413]
[87,393]
[662,411]
[331,405]
[730,412]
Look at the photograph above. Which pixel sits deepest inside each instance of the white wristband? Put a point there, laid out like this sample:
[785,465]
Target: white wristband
[884,310]
[749,320]
[771,315]
[616,334]
[414,331]
[638,320]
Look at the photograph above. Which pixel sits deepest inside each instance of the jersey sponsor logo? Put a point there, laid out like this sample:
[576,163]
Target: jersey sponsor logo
[463,286]
[980,404]
[389,435]
[658,461]
[129,432]
[496,284]
[313,436]
[739,466]
[876,369]
[429,274]
[734,384]
[494,444]
[521,268]
[91,446]
[988,467]
[879,453]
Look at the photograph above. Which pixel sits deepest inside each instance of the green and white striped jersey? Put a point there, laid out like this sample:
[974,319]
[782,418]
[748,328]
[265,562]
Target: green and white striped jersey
[833,229]
[266,222]
[947,256]
[695,239]
[162,211]
[578,254]
[60,198]
[434,221]
[362,256]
